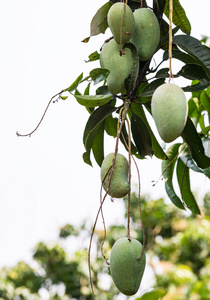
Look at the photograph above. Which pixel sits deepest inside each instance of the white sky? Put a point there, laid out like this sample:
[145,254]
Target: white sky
[44,183]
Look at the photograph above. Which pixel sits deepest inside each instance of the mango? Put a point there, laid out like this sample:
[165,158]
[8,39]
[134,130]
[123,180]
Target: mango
[119,186]
[121,22]
[126,267]
[119,66]
[147,33]
[169,109]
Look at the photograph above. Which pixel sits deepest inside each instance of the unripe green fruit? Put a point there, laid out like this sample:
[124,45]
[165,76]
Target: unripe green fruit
[169,110]
[118,13]
[119,66]
[119,186]
[126,267]
[147,33]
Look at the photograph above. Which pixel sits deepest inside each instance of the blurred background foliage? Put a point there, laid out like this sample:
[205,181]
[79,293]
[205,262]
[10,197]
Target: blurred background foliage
[178,256]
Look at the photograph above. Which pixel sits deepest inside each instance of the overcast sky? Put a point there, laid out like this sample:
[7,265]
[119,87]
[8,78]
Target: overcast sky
[44,183]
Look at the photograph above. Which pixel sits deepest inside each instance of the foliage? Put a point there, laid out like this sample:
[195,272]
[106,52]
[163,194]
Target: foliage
[180,244]
[177,247]
[104,108]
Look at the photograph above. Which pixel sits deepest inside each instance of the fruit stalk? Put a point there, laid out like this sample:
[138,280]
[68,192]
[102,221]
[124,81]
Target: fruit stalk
[170,38]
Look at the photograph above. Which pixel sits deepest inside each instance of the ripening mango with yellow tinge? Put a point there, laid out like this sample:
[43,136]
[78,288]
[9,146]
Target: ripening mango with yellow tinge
[169,110]
[121,22]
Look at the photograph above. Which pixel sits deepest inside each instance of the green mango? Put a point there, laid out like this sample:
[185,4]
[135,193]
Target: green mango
[126,267]
[147,33]
[169,109]
[118,13]
[119,66]
[119,186]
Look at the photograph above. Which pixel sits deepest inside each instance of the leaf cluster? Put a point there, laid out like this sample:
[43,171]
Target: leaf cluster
[192,152]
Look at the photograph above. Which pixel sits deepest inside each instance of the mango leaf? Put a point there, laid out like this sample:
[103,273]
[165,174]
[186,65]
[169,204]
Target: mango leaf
[134,4]
[154,294]
[201,85]
[179,16]
[124,140]
[130,81]
[167,171]
[141,136]
[158,7]
[205,99]
[99,74]
[98,145]
[93,56]
[192,72]
[182,56]
[162,73]
[194,142]
[158,151]
[111,126]
[63,97]
[195,48]
[187,159]
[92,127]
[151,87]
[102,90]
[183,177]
[93,100]
[99,21]
[75,84]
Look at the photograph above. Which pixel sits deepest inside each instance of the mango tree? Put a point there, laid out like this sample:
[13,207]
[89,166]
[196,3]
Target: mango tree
[128,89]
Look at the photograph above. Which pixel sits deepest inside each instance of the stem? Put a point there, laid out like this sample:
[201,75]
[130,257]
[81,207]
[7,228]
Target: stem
[129,178]
[170,38]
[139,198]
[121,30]
[110,173]
[29,134]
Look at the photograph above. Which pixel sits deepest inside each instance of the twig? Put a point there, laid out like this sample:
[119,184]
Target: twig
[170,38]
[29,134]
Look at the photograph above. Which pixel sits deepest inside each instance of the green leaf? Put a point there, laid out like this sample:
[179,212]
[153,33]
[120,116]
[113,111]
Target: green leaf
[102,90]
[158,151]
[205,99]
[155,294]
[167,171]
[194,142]
[86,158]
[151,87]
[183,177]
[192,72]
[162,73]
[111,126]
[195,48]
[93,125]
[93,56]
[134,4]
[130,81]
[179,16]
[63,97]
[93,100]
[141,136]
[201,85]
[124,140]
[99,74]
[182,56]
[158,7]
[75,84]
[187,159]
[99,22]
[98,145]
